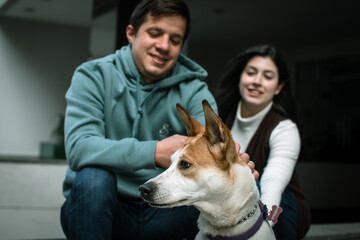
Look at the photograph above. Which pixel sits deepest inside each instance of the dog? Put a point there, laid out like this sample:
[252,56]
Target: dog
[208,173]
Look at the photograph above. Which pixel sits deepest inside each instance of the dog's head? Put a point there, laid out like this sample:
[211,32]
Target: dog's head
[203,171]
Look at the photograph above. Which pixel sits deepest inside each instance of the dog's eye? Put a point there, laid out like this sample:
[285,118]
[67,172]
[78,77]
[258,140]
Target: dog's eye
[184,165]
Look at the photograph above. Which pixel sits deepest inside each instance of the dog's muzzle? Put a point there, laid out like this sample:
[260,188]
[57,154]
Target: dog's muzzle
[147,190]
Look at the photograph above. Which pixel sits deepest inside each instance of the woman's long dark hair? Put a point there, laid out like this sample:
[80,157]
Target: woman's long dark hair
[228,96]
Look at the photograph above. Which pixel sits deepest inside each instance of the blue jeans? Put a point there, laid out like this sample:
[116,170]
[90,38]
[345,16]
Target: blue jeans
[286,227]
[94,211]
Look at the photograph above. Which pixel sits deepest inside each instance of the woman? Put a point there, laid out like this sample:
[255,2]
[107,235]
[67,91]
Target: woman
[256,103]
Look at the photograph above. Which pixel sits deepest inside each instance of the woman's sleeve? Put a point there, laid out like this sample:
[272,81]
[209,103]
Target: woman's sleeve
[284,151]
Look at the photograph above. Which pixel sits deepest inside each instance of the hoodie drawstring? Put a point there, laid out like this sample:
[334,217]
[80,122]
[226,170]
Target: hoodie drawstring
[140,102]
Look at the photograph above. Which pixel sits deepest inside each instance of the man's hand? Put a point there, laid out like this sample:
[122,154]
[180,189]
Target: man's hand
[251,164]
[166,147]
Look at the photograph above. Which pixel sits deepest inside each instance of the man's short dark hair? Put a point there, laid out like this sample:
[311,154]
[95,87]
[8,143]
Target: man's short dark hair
[158,8]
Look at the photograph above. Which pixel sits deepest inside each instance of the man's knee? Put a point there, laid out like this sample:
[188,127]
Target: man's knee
[94,182]
[90,205]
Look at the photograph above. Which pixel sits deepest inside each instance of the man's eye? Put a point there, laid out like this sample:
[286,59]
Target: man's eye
[184,165]
[175,42]
[154,34]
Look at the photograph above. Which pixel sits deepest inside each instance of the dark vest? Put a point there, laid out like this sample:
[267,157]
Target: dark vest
[258,150]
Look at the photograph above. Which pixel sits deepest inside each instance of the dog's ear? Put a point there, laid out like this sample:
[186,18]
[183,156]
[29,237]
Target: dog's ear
[215,129]
[193,127]
[219,135]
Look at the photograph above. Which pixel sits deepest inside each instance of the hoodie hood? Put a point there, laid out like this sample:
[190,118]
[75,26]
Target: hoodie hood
[183,70]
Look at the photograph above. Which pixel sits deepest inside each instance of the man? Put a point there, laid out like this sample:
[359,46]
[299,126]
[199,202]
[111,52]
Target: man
[121,128]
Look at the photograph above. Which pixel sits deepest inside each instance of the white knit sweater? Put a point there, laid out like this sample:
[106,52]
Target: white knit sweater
[284,151]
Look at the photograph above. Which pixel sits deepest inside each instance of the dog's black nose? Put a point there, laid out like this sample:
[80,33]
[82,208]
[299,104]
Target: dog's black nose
[147,189]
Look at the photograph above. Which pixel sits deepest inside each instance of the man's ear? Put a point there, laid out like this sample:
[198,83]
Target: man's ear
[130,33]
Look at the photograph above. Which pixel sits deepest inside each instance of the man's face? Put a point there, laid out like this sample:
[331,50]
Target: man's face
[157,45]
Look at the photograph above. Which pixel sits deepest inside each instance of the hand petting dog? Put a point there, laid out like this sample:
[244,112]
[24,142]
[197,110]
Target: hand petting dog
[251,164]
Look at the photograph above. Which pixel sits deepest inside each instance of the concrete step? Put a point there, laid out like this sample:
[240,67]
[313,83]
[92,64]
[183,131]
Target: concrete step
[334,231]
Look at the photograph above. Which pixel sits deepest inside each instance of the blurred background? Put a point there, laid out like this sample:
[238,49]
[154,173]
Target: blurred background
[43,41]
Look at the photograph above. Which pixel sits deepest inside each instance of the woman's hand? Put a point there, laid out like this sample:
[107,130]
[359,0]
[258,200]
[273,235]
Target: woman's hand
[251,164]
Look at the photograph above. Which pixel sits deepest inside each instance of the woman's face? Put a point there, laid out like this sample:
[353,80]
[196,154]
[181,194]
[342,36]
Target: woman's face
[259,83]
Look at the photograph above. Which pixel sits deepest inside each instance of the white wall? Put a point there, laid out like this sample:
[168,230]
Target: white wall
[36,64]
[31,199]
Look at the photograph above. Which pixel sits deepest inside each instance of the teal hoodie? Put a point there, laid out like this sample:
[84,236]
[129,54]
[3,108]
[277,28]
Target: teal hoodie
[114,119]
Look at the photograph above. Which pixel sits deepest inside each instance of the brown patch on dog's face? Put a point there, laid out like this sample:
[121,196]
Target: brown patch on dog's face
[198,154]
[212,146]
